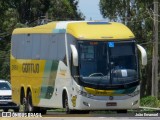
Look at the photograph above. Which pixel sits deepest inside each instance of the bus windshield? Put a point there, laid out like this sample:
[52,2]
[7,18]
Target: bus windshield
[107,63]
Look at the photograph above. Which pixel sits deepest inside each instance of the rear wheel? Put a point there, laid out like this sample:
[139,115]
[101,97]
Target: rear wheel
[30,107]
[29,103]
[24,105]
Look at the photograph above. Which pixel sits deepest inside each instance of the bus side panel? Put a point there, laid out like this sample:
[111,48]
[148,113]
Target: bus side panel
[42,68]
[27,68]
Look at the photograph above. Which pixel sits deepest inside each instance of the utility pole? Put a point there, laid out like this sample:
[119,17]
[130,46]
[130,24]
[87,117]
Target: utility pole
[155,53]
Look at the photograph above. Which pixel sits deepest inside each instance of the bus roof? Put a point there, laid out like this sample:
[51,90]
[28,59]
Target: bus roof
[82,30]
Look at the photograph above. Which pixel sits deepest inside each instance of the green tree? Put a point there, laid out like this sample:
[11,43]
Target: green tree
[32,10]
[24,13]
[28,10]
[138,16]
[65,10]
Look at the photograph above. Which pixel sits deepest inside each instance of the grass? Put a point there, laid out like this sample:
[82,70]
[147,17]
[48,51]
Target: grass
[150,101]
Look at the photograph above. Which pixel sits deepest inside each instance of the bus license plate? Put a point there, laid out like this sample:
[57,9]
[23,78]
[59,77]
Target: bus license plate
[111,104]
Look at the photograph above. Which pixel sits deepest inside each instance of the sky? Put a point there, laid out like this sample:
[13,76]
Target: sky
[90,9]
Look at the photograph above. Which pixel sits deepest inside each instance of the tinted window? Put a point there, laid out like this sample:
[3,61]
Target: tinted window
[36,47]
[39,46]
[61,46]
[53,48]
[44,48]
[27,46]
[18,46]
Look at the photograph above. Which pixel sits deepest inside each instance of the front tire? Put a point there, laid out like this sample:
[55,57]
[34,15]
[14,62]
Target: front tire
[68,111]
[66,106]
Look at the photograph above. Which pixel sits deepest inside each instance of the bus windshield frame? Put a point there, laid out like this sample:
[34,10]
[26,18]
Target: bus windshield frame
[108,64]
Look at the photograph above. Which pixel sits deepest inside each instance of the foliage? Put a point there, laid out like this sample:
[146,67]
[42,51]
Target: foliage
[150,101]
[24,13]
[69,11]
[138,16]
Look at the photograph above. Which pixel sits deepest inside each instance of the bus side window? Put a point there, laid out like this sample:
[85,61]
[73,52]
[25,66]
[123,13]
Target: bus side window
[44,47]
[14,46]
[61,47]
[53,47]
[36,40]
[27,46]
[20,46]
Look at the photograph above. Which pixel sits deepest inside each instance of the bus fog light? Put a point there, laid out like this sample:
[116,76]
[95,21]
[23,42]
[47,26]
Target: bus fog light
[135,102]
[86,104]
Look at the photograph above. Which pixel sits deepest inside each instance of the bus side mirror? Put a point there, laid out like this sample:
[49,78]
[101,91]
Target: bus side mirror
[143,54]
[74,55]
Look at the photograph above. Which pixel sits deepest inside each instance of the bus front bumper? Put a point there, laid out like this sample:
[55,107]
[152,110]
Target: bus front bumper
[84,103]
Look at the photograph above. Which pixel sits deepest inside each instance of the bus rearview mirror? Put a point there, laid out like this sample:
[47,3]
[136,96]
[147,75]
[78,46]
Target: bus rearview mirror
[74,55]
[143,54]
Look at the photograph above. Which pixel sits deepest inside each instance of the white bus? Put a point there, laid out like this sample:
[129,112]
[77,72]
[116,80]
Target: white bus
[76,65]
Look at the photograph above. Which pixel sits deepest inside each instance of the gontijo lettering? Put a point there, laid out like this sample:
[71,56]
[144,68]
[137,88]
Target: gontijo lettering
[30,68]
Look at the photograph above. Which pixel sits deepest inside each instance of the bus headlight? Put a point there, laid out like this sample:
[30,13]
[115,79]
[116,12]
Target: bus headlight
[85,94]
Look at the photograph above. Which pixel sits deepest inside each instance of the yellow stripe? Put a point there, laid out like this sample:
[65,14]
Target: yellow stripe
[101,92]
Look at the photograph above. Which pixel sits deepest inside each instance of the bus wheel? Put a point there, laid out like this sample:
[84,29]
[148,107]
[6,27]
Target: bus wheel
[68,111]
[24,105]
[29,103]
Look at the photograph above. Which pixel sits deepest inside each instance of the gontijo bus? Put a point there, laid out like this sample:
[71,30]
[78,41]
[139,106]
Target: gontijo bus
[76,65]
